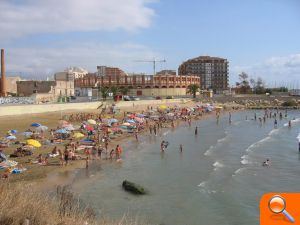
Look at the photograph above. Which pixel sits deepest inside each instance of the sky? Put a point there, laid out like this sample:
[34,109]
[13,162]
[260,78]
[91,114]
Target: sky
[259,37]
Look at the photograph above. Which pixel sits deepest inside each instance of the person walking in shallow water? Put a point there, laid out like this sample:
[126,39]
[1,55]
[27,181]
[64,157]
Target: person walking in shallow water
[275,123]
[180,148]
[196,130]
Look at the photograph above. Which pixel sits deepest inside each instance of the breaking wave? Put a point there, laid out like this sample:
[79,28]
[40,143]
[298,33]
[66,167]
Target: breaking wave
[217,165]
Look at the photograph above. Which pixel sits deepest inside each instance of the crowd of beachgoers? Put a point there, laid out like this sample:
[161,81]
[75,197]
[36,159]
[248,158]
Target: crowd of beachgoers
[88,136]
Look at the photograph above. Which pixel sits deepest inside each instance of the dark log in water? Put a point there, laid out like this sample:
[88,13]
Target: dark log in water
[133,188]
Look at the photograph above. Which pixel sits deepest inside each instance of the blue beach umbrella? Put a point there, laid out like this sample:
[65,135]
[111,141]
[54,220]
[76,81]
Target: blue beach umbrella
[13,131]
[11,137]
[112,121]
[130,121]
[35,125]
[62,131]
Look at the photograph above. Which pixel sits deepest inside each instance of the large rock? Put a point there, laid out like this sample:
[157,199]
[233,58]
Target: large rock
[133,188]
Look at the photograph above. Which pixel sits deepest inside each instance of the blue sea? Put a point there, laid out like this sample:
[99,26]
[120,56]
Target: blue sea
[217,179]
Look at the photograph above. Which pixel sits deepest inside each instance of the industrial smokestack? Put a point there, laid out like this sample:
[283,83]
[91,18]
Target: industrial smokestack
[3,80]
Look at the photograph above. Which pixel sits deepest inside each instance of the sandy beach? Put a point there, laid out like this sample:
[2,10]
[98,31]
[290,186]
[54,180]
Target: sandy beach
[36,172]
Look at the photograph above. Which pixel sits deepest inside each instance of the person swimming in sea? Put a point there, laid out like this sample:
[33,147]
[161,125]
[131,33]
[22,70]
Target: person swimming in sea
[266,163]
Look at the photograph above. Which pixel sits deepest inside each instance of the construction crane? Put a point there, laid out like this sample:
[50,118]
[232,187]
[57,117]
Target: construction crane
[154,61]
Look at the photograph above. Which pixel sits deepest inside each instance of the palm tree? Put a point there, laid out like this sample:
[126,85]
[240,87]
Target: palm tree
[104,92]
[193,89]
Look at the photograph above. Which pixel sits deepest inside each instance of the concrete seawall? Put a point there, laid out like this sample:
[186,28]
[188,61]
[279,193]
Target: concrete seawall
[44,108]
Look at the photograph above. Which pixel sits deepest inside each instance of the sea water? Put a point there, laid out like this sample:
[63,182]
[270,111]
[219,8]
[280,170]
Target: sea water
[217,179]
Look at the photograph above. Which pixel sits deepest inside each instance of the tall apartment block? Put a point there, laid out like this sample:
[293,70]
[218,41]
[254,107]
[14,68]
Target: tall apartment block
[213,72]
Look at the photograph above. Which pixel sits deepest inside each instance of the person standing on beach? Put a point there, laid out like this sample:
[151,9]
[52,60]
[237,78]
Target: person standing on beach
[196,130]
[136,134]
[99,151]
[154,129]
[87,162]
[229,117]
[66,156]
[150,129]
[111,154]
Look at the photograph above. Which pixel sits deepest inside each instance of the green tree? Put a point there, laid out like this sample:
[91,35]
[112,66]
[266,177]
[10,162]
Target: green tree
[193,89]
[243,85]
[104,92]
[258,86]
[124,90]
[114,90]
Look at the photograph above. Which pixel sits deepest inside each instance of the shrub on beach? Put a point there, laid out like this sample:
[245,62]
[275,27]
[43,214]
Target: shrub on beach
[290,103]
[19,203]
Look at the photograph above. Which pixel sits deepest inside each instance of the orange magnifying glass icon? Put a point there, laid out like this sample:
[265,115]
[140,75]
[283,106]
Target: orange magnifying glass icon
[277,205]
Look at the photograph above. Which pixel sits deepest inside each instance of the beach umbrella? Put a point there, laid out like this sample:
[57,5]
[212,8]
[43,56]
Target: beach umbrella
[131,116]
[89,128]
[163,107]
[11,137]
[33,143]
[13,131]
[112,120]
[126,124]
[27,133]
[140,115]
[41,128]
[139,120]
[78,135]
[130,121]
[69,127]
[92,122]
[35,125]
[61,131]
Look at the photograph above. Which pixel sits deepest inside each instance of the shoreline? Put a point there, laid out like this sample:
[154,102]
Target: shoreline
[56,175]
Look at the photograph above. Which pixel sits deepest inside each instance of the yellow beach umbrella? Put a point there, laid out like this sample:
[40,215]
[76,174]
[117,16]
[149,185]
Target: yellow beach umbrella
[33,143]
[92,122]
[78,135]
[163,107]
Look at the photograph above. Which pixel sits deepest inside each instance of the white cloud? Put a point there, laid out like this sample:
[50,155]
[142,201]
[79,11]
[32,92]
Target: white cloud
[279,69]
[36,62]
[26,17]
